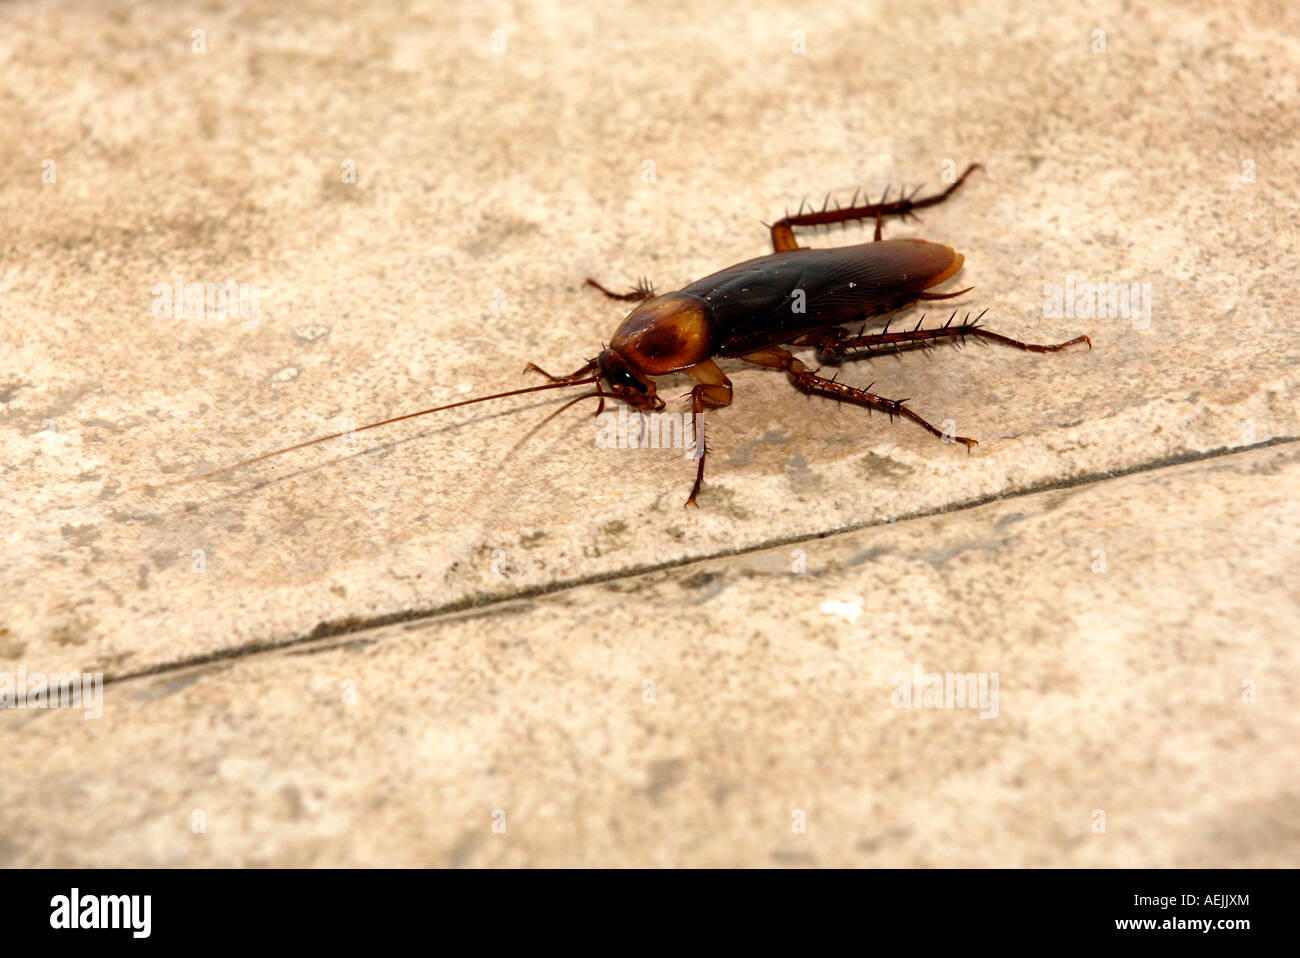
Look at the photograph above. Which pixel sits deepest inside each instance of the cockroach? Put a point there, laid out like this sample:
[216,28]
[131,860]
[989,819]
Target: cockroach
[793,296]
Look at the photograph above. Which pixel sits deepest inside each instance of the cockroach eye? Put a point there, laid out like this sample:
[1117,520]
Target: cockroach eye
[622,377]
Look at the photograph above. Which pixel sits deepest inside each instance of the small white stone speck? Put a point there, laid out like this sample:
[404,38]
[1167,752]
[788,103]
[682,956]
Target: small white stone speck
[310,333]
[845,610]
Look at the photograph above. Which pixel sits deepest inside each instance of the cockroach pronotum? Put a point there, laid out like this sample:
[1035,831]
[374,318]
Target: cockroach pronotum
[793,296]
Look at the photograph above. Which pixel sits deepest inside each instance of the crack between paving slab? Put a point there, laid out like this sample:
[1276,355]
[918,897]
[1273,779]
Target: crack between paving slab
[338,627]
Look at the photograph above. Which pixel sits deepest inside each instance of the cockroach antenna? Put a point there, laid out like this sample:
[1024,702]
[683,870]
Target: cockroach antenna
[560,383]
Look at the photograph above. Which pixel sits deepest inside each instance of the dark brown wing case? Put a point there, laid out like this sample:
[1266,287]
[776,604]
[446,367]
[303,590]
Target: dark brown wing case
[755,303]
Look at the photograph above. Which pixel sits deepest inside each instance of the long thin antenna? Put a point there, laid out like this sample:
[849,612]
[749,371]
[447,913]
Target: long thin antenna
[532,432]
[385,422]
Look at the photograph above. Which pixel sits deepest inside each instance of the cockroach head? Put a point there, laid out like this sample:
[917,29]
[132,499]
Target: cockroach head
[627,382]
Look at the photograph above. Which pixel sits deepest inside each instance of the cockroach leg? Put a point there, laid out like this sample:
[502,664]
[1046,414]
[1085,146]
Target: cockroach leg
[804,378]
[881,344]
[644,290]
[783,229]
[586,370]
[714,390]
[701,447]
[823,340]
[577,374]
[714,386]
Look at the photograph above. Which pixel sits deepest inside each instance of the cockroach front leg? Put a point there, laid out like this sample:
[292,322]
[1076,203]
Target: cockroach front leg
[783,229]
[644,290]
[714,390]
[587,369]
[804,378]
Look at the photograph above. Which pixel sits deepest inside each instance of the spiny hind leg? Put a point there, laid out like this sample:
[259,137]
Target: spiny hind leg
[804,378]
[836,344]
[714,390]
[644,290]
[783,229]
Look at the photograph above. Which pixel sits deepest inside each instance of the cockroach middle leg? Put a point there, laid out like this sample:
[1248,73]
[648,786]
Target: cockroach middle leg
[644,290]
[783,229]
[804,378]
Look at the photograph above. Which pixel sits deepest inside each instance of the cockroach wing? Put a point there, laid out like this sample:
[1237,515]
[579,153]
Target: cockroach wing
[774,299]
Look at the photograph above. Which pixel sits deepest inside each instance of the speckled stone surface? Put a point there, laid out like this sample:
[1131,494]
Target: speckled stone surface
[701,715]
[415,199]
